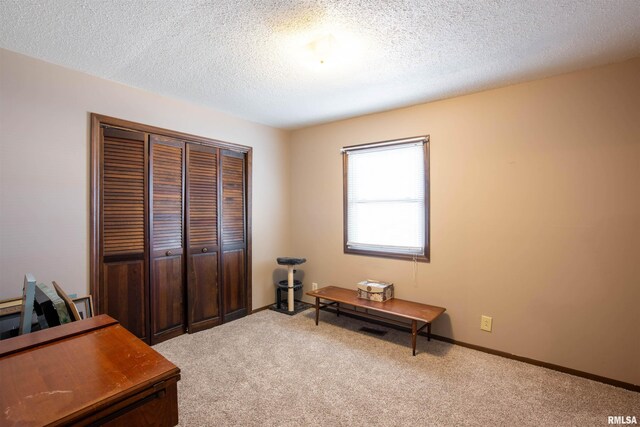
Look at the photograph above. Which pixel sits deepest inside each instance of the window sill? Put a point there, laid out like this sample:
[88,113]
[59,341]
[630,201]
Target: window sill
[390,255]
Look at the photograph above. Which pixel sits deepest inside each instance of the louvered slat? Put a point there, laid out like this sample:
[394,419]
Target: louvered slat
[123,197]
[232,199]
[167,196]
[203,197]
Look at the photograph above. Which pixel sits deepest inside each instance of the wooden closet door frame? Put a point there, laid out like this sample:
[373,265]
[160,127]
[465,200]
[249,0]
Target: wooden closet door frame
[97,121]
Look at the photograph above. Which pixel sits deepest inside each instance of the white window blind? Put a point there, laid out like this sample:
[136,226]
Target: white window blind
[386,198]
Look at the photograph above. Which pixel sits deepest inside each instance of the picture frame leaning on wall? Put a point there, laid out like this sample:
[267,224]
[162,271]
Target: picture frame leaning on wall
[84,306]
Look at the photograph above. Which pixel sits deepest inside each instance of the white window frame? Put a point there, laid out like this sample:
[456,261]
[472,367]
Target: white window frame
[421,254]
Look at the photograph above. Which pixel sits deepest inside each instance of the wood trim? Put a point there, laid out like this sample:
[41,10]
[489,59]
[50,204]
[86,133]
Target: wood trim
[127,125]
[117,133]
[186,240]
[247,234]
[94,210]
[151,322]
[185,254]
[148,203]
[387,143]
[535,362]
[238,314]
[554,367]
[123,257]
[257,310]
[204,324]
[426,257]
[220,256]
[345,200]
[408,257]
[427,199]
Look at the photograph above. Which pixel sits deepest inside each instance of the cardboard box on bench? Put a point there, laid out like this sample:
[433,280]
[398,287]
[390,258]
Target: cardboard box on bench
[374,290]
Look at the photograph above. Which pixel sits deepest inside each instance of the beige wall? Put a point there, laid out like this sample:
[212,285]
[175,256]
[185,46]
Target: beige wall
[535,216]
[44,170]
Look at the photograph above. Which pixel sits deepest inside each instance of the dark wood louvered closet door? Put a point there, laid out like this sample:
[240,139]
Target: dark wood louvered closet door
[167,247]
[233,235]
[123,292]
[170,229]
[203,291]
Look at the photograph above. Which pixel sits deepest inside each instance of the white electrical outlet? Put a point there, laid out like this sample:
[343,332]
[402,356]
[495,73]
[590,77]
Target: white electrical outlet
[314,286]
[485,323]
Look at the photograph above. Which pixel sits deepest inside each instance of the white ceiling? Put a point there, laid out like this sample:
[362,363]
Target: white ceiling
[249,57]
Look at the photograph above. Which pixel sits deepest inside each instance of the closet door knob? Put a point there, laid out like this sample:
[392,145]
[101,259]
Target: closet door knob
[204,250]
[169,253]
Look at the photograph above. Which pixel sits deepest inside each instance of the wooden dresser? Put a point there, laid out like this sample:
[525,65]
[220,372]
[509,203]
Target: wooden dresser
[90,372]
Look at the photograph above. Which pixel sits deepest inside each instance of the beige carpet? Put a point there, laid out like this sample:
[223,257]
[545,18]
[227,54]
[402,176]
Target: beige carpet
[276,370]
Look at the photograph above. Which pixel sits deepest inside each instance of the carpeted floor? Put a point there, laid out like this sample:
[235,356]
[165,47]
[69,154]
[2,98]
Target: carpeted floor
[277,370]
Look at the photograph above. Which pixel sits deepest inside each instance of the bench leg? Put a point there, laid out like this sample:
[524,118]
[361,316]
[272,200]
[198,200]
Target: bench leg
[428,331]
[337,309]
[414,334]
[317,310]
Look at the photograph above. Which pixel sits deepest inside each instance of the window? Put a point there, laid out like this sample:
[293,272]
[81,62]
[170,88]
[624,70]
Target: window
[386,199]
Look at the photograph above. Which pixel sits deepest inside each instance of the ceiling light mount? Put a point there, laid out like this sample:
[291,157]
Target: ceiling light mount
[323,47]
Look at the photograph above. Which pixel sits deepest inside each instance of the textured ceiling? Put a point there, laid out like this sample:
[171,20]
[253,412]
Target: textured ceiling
[250,57]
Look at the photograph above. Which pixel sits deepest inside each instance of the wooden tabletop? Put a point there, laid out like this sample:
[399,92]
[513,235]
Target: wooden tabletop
[57,378]
[397,307]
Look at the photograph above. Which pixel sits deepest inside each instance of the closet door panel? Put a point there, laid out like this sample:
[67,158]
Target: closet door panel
[234,290]
[123,293]
[233,235]
[124,296]
[167,303]
[204,301]
[167,168]
[123,199]
[233,203]
[167,224]
[202,237]
[202,196]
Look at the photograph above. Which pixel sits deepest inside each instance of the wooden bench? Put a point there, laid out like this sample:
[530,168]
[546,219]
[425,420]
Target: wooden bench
[413,311]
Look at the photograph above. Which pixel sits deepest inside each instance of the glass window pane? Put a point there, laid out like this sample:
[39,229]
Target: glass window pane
[392,224]
[386,198]
[391,174]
